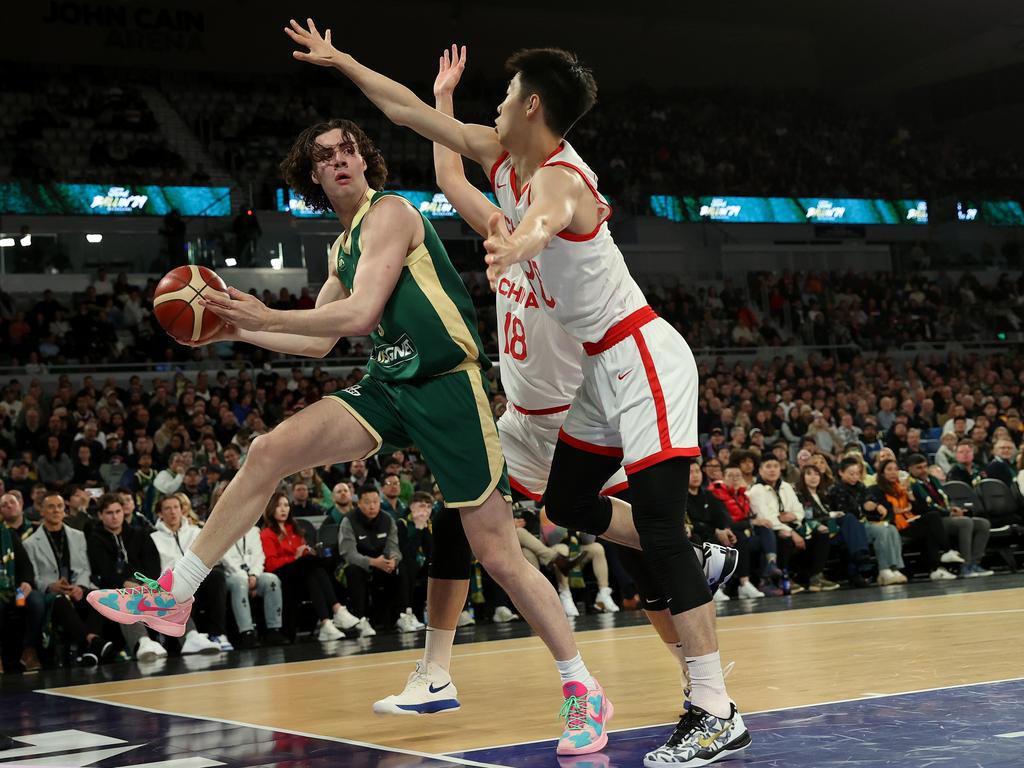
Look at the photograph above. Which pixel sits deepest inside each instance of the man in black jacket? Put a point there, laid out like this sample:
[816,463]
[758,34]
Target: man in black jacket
[116,553]
[16,578]
[1001,467]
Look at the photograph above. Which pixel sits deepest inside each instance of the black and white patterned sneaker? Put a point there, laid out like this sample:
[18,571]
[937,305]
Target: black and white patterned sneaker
[700,738]
[719,564]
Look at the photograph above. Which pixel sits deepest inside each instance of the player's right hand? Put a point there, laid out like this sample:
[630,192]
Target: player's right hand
[450,67]
[321,52]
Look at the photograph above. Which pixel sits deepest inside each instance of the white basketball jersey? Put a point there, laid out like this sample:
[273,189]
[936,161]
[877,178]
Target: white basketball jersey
[580,280]
[540,363]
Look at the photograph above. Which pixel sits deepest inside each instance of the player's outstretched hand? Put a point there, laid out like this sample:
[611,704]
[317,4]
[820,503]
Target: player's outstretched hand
[450,67]
[239,309]
[320,52]
[499,249]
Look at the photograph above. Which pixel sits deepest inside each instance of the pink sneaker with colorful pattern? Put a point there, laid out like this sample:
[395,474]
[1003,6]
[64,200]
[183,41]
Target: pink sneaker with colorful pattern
[151,603]
[586,712]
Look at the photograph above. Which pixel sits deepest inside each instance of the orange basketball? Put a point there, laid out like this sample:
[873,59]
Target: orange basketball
[176,303]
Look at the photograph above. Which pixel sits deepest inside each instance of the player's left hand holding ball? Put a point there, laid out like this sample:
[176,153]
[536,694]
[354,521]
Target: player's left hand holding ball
[239,309]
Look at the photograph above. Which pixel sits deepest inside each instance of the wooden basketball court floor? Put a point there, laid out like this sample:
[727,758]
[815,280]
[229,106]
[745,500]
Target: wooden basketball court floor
[796,659]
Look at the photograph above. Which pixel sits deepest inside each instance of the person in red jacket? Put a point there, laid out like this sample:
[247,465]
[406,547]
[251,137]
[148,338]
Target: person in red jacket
[301,573]
[732,492]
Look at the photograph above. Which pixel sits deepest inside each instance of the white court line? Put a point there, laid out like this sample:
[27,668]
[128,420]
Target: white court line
[872,697]
[644,635]
[364,744]
[1012,735]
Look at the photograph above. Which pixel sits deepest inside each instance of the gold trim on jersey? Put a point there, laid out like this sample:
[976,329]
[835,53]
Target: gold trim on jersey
[489,433]
[366,425]
[423,272]
[346,237]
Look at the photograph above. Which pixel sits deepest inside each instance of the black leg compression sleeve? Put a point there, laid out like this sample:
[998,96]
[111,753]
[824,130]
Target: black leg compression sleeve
[659,502]
[450,557]
[639,569]
[572,498]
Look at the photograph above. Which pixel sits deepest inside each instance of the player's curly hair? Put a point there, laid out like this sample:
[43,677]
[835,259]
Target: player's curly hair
[566,87]
[297,167]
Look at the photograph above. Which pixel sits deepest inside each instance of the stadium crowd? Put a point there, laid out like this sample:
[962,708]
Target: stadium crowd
[112,322]
[822,473]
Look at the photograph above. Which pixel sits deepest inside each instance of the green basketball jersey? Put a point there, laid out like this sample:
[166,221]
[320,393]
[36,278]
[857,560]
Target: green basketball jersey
[429,326]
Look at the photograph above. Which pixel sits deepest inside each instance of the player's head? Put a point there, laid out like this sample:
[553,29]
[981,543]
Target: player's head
[549,89]
[333,160]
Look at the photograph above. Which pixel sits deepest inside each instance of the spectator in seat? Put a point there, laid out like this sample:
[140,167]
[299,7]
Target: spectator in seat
[787,471]
[1002,465]
[391,502]
[116,553]
[87,470]
[302,505]
[173,536]
[979,442]
[850,496]
[970,533]
[17,573]
[79,515]
[114,472]
[945,456]
[359,475]
[14,517]
[747,462]
[711,522]
[964,469]
[170,480]
[341,496]
[132,520]
[713,470]
[369,548]
[246,578]
[302,576]
[845,529]
[893,507]
[775,500]
[60,558]
[415,542]
[733,494]
[143,487]
[54,467]
[872,444]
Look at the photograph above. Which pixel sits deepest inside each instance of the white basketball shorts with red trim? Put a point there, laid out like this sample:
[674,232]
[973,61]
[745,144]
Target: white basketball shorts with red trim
[638,400]
[528,442]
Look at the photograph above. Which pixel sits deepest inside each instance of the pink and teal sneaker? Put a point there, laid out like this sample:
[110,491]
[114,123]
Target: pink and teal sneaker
[586,712]
[151,603]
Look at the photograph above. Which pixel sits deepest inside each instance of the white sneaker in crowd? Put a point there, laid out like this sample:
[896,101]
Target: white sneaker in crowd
[365,628]
[721,597]
[604,602]
[568,604]
[149,650]
[407,621]
[197,642]
[344,620]
[951,556]
[503,615]
[223,642]
[466,619]
[749,591]
[887,576]
[329,632]
[940,574]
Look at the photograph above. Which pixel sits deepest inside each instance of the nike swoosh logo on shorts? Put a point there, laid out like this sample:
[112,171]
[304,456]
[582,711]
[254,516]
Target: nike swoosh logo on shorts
[432,689]
[624,375]
[500,186]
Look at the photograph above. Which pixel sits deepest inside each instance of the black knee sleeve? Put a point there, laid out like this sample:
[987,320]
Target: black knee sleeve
[572,498]
[659,503]
[639,569]
[450,556]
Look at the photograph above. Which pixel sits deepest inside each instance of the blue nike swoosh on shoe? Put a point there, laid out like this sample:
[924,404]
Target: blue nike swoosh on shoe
[432,689]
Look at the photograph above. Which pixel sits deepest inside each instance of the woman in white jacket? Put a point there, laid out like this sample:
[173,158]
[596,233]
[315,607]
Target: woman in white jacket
[243,566]
[173,536]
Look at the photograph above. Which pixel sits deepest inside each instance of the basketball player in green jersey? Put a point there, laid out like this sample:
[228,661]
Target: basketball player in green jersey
[390,279]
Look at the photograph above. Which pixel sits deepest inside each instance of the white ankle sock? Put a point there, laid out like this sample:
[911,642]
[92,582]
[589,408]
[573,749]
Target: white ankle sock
[677,653]
[574,669]
[707,684]
[189,573]
[439,647]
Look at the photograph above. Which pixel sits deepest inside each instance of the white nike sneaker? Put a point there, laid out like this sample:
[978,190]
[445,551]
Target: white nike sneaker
[149,650]
[197,642]
[749,591]
[719,563]
[721,597]
[223,642]
[503,615]
[429,691]
[604,602]
[329,632]
[568,604]
[466,619]
[407,622]
[951,557]
[365,628]
[344,620]
[701,738]
[941,574]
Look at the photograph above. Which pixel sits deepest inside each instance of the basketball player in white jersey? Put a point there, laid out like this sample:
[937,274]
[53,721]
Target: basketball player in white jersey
[637,406]
[540,371]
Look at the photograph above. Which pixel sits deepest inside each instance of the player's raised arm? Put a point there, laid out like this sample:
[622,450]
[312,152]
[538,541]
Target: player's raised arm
[477,142]
[471,204]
